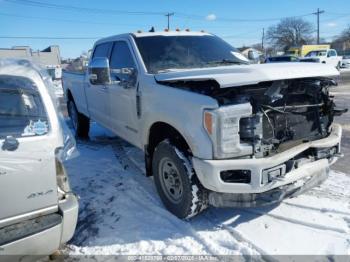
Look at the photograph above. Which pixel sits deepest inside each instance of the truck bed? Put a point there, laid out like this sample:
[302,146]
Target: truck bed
[75,83]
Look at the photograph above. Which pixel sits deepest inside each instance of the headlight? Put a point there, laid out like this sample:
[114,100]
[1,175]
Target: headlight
[222,125]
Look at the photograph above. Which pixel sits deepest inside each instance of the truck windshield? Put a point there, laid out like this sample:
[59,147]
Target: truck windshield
[316,53]
[22,112]
[163,53]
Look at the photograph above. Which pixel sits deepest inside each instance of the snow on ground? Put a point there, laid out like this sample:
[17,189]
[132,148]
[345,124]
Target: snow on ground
[121,213]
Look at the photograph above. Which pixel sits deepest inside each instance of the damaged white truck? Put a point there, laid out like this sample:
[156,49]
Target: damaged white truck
[214,129]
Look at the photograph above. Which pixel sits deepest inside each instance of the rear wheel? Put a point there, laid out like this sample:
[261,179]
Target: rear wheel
[176,182]
[80,123]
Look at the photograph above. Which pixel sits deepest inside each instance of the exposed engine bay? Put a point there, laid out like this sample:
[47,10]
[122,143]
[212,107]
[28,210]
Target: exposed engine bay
[285,112]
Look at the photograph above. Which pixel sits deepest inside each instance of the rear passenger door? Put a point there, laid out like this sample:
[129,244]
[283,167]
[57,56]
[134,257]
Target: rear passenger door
[97,95]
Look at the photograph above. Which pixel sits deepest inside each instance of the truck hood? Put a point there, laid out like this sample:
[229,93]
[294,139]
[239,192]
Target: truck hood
[240,75]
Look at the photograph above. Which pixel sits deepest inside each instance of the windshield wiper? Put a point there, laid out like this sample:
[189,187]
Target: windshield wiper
[226,62]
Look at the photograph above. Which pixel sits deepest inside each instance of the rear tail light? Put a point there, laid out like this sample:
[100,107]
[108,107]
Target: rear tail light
[62,179]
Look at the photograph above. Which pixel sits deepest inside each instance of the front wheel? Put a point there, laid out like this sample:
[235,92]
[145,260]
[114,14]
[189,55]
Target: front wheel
[176,182]
[80,123]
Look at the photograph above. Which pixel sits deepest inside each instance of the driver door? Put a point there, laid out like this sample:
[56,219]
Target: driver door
[96,94]
[122,99]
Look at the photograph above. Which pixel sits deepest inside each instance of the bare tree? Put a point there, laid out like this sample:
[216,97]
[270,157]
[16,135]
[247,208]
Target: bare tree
[345,35]
[342,42]
[290,32]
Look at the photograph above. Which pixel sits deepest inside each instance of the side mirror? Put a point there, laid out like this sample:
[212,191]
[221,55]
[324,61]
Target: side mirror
[251,55]
[99,73]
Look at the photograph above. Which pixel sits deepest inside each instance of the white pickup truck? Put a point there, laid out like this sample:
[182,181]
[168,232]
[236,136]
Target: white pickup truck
[323,56]
[214,129]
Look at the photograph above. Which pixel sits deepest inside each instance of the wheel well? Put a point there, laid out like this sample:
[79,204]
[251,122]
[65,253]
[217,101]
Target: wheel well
[158,132]
[69,95]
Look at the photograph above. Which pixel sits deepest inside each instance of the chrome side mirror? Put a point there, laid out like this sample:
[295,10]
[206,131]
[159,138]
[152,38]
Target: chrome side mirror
[99,72]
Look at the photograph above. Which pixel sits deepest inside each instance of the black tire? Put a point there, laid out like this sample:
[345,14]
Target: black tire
[80,123]
[194,197]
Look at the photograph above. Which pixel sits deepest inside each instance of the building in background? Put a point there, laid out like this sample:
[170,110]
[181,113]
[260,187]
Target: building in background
[48,58]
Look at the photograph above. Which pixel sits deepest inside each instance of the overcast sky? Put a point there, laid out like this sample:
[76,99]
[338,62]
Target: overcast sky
[238,22]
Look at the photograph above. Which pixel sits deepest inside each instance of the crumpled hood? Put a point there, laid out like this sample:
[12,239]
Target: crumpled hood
[238,75]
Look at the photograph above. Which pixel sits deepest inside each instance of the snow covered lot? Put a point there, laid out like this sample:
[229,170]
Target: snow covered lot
[121,213]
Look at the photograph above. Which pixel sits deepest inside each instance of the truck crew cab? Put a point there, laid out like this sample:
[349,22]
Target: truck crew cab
[214,129]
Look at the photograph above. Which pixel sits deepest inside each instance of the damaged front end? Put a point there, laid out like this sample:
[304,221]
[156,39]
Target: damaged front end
[286,114]
[271,140]
[272,116]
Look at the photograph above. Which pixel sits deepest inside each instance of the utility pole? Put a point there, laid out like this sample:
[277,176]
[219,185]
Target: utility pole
[168,15]
[262,39]
[318,23]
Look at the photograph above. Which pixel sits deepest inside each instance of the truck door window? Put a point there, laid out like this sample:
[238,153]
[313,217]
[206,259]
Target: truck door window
[121,57]
[102,50]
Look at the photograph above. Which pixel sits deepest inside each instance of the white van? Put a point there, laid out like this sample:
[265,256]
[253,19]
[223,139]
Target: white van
[38,211]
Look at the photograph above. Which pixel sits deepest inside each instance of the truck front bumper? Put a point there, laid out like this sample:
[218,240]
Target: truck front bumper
[209,171]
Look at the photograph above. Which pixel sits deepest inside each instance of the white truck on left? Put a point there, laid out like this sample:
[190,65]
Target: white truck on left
[38,211]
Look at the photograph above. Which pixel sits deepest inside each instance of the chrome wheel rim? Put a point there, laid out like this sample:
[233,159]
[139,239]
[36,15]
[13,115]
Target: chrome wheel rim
[170,180]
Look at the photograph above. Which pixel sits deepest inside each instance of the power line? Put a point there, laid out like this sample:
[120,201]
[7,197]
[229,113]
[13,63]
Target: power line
[223,19]
[64,20]
[50,38]
[125,12]
[81,9]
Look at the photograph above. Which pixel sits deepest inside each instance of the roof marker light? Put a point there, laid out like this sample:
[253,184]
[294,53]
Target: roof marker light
[187,30]
[177,30]
[139,31]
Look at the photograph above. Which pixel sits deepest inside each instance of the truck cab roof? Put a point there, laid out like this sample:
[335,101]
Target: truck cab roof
[148,34]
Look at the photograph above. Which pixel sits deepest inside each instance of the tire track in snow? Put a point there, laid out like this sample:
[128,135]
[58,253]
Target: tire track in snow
[122,157]
[212,246]
[322,210]
[240,238]
[297,221]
